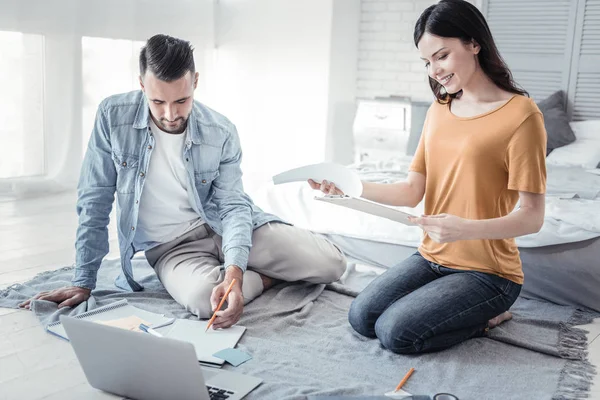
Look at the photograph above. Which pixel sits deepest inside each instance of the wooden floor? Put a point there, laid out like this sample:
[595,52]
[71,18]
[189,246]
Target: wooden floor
[38,235]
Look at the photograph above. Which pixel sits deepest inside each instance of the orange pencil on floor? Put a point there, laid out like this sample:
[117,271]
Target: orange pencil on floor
[210,322]
[403,381]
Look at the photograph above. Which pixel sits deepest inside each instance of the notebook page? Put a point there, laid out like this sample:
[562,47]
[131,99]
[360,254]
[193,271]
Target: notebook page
[206,343]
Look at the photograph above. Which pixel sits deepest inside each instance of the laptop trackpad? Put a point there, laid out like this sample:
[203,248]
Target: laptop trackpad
[209,373]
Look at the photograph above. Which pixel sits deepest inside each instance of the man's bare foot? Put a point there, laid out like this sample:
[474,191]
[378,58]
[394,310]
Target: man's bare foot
[268,282]
[494,322]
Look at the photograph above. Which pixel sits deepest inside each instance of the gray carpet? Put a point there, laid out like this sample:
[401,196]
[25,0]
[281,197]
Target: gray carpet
[302,344]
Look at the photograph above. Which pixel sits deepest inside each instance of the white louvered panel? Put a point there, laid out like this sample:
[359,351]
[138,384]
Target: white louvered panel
[539,84]
[587,96]
[530,4]
[535,38]
[520,46]
[590,38]
[532,26]
[584,87]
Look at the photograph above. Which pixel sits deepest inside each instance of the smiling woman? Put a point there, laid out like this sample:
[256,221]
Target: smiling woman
[482,149]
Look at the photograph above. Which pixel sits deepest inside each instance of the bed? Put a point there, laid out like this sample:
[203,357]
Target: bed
[560,262]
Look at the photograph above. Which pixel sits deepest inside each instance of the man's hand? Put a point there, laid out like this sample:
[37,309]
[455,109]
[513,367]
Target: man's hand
[235,300]
[65,297]
[443,228]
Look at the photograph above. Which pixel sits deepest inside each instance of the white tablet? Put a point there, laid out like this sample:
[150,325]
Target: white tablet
[369,207]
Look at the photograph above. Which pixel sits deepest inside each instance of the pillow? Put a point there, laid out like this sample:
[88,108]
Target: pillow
[556,121]
[584,152]
[587,130]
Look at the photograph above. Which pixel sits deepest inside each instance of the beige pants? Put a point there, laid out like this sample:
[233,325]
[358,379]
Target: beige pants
[190,266]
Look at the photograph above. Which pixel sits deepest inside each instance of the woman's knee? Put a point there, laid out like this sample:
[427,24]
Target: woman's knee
[397,338]
[360,317]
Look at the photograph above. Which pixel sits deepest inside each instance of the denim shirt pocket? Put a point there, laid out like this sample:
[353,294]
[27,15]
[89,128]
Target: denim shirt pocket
[204,182]
[127,166]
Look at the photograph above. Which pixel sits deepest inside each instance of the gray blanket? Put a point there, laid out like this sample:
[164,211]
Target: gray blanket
[302,345]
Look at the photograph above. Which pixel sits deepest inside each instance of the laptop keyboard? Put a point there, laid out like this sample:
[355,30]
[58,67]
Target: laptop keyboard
[218,394]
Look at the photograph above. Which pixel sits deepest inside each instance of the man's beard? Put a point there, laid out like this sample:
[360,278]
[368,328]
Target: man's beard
[175,131]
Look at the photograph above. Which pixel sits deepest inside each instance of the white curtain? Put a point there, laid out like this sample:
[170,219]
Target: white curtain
[58,60]
[21,108]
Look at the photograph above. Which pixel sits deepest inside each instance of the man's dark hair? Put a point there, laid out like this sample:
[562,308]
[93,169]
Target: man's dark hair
[167,57]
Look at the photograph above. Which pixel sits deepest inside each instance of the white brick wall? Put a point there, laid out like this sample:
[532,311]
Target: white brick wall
[388,62]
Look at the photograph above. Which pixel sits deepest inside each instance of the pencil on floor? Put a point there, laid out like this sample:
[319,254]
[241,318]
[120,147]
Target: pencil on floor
[403,381]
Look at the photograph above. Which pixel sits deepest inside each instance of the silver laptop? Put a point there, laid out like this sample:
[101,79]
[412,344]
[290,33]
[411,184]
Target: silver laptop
[145,367]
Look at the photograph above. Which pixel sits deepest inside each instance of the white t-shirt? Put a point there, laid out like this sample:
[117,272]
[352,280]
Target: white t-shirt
[165,212]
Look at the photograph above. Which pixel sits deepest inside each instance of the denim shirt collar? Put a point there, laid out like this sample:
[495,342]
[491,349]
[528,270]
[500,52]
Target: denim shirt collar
[143,114]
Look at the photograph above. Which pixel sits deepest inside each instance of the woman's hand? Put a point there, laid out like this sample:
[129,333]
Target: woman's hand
[325,187]
[443,228]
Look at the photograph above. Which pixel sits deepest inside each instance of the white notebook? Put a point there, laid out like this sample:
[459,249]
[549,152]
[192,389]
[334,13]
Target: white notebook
[120,309]
[206,343]
[369,207]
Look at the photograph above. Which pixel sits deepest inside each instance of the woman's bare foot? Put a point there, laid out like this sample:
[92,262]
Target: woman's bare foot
[494,322]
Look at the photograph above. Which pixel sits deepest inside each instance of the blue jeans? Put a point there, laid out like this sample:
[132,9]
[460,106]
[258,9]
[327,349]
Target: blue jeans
[419,306]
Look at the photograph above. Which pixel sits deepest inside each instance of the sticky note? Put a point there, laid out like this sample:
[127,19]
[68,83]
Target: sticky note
[234,357]
[131,323]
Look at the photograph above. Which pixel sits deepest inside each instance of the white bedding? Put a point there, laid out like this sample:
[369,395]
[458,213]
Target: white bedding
[572,208]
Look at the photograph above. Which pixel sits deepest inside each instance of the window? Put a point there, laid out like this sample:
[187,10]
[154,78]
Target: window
[21,105]
[109,66]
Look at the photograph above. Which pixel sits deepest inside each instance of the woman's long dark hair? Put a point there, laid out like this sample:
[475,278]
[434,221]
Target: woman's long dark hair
[460,19]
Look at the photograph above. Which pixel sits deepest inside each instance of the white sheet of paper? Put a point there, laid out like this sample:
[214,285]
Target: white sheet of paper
[206,343]
[400,394]
[343,178]
[595,171]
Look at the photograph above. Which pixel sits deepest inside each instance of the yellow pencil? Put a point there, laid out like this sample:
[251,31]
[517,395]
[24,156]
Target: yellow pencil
[210,322]
[403,381]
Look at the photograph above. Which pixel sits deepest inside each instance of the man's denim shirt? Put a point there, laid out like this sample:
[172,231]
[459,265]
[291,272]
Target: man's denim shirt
[117,160]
